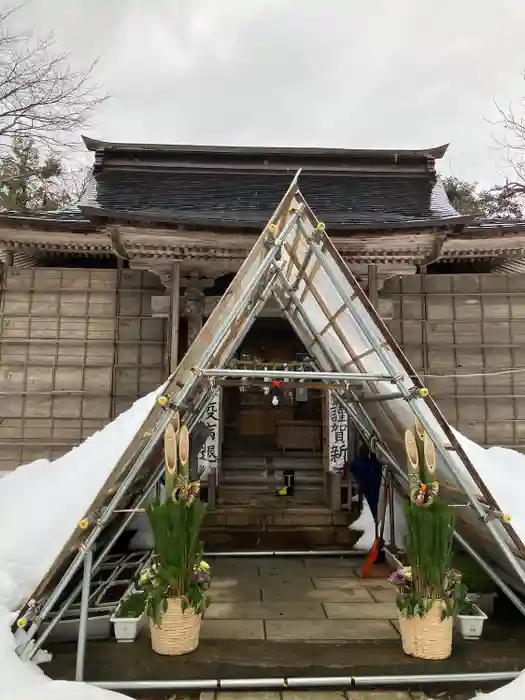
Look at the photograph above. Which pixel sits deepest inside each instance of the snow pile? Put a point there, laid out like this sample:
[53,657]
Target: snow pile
[512,691]
[503,472]
[40,505]
[365,523]
[20,680]
[47,499]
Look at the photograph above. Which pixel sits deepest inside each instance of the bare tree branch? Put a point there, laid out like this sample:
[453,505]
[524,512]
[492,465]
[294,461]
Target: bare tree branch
[512,141]
[41,95]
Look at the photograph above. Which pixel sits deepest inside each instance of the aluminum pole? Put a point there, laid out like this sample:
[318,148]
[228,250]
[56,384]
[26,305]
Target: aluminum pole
[100,558]
[280,374]
[389,457]
[436,439]
[518,603]
[325,553]
[84,614]
[311,681]
[144,453]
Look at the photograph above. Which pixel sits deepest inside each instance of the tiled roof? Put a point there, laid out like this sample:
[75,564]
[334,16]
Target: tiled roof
[59,218]
[248,199]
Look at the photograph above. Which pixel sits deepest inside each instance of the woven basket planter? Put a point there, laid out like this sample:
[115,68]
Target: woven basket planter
[178,632]
[427,637]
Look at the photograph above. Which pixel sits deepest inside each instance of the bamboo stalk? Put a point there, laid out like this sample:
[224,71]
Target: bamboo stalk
[419,433]
[170,457]
[412,454]
[184,449]
[429,453]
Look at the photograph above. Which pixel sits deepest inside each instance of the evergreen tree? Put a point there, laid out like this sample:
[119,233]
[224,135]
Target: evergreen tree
[28,182]
[498,202]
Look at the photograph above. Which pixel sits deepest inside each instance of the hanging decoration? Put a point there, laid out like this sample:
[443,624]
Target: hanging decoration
[269,366]
[266,389]
[275,392]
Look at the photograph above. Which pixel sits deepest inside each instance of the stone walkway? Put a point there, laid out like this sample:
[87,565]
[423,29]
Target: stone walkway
[293,599]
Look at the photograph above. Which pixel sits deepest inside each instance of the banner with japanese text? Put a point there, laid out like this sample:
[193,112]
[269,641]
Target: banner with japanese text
[337,434]
[208,457]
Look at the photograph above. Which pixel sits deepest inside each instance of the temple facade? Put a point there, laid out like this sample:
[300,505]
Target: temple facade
[99,302]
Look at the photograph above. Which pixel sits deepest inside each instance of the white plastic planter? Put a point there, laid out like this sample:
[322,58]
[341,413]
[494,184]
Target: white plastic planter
[471,626]
[127,628]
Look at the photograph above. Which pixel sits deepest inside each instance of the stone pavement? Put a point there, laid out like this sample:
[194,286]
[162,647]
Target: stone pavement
[294,599]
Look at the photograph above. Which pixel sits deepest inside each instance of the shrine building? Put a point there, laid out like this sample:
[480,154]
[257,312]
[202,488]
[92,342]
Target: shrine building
[100,301]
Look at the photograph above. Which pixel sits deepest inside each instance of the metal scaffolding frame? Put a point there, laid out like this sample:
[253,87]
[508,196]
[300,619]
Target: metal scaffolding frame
[294,261]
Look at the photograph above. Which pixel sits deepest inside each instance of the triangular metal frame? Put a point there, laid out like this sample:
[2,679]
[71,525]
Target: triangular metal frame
[295,261]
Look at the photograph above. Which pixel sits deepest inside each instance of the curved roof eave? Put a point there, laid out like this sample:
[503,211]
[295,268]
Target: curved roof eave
[435,152]
[165,218]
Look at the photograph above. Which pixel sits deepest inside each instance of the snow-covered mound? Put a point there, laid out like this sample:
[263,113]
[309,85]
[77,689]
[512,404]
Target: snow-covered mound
[503,472]
[41,502]
[40,505]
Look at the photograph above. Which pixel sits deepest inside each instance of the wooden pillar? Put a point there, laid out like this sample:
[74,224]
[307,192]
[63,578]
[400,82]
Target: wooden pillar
[373,286]
[194,303]
[174,316]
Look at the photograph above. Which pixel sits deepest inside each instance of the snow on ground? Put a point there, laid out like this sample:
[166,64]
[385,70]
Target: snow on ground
[364,522]
[21,680]
[503,472]
[41,503]
[512,691]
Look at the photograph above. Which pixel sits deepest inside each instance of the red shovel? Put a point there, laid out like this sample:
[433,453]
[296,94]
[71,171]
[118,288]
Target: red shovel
[372,555]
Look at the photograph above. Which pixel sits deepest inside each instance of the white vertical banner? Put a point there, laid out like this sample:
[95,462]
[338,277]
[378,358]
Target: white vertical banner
[208,457]
[337,434]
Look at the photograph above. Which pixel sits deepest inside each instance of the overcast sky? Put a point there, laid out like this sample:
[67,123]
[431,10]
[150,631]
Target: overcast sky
[346,73]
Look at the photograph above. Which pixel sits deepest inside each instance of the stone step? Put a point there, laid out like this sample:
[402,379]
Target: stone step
[277,538]
[248,462]
[250,454]
[278,516]
[239,476]
[252,494]
[297,463]
[279,462]
[249,477]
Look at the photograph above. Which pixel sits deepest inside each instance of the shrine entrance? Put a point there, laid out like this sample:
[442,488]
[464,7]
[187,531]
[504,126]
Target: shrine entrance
[252,423]
[286,440]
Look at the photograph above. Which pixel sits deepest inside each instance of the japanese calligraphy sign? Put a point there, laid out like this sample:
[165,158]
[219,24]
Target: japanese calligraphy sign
[208,457]
[337,434]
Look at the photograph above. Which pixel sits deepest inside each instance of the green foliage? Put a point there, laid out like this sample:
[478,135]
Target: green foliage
[466,197]
[428,546]
[133,605]
[468,608]
[177,568]
[28,183]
